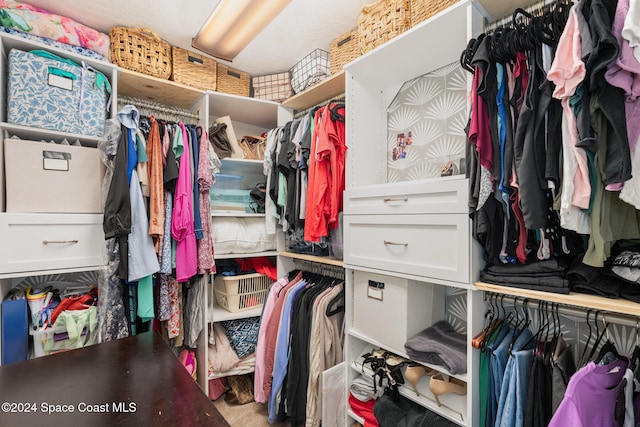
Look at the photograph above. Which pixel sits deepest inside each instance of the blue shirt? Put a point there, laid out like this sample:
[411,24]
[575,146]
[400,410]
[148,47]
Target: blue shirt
[281,360]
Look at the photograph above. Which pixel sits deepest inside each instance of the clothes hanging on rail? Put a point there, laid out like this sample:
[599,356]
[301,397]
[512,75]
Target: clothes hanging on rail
[591,396]
[553,127]
[305,163]
[300,336]
[167,170]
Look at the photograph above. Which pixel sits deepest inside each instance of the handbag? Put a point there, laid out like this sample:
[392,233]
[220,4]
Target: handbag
[258,195]
[80,328]
[253,147]
[220,141]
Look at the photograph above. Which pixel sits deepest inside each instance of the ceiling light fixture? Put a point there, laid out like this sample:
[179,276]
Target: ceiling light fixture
[233,24]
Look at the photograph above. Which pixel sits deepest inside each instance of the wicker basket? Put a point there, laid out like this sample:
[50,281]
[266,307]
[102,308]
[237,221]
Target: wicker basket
[382,21]
[141,50]
[272,87]
[421,10]
[233,81]
[243,292]
[193,70]
[344,49]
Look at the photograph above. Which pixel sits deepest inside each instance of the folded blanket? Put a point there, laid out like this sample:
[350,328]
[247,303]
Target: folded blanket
[39,22]
[221,356]
[242,334]
[440,345]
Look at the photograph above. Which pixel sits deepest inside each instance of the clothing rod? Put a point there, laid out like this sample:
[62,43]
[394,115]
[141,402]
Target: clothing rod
[334,271]
[301,113]
[156,106]
[570,310]
[507,21]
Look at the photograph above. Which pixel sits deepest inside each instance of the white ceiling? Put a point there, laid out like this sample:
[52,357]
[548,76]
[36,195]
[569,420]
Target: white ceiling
[303,26]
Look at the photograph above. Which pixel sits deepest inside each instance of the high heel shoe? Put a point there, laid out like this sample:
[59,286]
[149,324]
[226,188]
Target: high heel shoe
[413,373]
[439,386]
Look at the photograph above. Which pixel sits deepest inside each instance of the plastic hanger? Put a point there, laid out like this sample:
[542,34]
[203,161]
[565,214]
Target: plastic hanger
[599,336]
[635,357]
[582,360]
[339,308]
[608,346]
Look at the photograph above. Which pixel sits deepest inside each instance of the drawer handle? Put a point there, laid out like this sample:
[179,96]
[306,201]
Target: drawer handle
[395,199]
[386,242]
[59,242]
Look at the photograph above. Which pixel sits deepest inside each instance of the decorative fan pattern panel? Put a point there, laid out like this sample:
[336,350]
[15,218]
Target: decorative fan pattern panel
[425,125]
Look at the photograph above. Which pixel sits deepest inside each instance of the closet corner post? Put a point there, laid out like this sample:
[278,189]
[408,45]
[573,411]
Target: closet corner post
[475,320]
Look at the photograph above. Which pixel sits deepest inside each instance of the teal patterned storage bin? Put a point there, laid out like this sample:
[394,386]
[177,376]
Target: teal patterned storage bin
[50,92]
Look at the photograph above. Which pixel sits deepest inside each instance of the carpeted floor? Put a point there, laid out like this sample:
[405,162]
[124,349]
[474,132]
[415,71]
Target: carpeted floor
[249,415]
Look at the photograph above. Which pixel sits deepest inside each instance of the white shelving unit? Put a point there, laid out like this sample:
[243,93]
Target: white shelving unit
[412,238]
[27,251]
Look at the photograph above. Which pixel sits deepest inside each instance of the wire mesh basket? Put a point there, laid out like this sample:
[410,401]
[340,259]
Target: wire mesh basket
[312,69]
[272,87]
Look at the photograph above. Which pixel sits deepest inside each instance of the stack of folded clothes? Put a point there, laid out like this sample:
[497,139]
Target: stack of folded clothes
[548,275]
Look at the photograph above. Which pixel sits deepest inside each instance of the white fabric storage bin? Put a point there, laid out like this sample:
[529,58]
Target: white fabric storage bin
[390,310]
[52,178]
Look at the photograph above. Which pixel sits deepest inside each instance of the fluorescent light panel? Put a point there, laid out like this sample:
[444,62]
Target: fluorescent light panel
[233,24]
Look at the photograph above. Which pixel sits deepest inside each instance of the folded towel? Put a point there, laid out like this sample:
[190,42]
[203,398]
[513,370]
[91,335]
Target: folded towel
[441,345]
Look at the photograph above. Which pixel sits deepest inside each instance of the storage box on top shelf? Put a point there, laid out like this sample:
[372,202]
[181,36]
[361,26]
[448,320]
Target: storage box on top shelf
[272,87]
[141,50]
[50,92]
[381,21]
[233,81]
[45,177]
[421,10]
[310,70]
[193,70]
[344,49]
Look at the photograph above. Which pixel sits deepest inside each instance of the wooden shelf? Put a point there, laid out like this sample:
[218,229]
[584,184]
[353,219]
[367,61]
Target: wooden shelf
[611,305]
[249,255]
[253,111]
[131,83]
[37,134]
[319,259]
[323,91]
[220,314]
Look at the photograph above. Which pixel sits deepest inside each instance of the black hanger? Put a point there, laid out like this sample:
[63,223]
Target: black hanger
[608,346]
[334,106]
[520,326]
[634,363]
[464,61]
[599,336]
[292,274]
[582,360]
[339,308]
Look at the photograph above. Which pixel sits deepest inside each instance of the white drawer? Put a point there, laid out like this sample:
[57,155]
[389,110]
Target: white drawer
[392,310]
[440,195]
[33,242]
[430,246]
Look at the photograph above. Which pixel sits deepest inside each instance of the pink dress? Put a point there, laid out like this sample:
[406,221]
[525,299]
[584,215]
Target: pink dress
[182,226]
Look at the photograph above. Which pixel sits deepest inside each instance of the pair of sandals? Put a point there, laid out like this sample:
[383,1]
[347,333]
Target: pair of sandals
[385,365]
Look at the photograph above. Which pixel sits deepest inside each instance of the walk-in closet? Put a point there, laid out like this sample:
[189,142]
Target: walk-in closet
[363,213]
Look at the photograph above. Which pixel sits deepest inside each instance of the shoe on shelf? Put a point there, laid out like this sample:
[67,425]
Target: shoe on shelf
[414,372]
[439,386]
